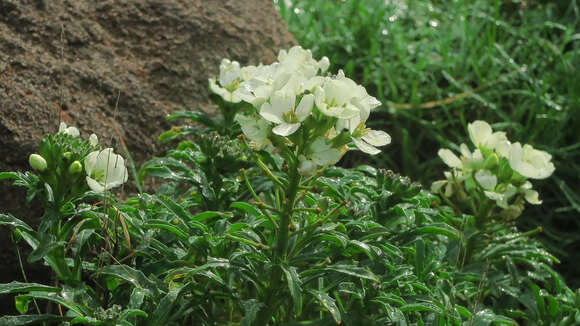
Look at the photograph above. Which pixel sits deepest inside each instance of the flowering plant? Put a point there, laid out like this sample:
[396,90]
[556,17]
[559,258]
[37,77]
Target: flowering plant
[497,171]
[293,105]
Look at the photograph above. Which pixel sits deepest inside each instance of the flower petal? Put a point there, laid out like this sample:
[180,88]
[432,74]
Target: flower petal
[270,113]
[377,138]
[479,131]
[437,185]
[532,197]
[449,158]
[305,107]
[285,129]
[486,179]
[94,185]
[365,147]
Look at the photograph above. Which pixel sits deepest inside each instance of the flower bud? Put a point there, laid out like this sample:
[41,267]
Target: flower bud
[492,161]
[75,167]
[37,162]
[67,155]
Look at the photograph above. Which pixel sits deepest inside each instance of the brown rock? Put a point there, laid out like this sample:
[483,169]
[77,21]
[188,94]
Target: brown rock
[106,65]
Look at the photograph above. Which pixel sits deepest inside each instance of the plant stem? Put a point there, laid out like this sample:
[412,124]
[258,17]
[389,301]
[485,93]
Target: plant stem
[280,253]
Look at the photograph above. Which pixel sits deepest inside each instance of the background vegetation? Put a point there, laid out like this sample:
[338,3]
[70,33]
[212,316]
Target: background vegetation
[438,65]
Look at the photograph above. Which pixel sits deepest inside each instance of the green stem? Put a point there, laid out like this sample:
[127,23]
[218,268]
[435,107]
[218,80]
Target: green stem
[280,253]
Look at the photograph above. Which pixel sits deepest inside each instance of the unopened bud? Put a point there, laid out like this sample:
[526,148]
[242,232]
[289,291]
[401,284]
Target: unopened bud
[67,155]
[75,167]
[37,162]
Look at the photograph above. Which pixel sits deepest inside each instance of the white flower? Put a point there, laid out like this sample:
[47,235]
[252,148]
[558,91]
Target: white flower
[281,111]
[255,128]
[333,98]
[72,131]
[229,79]
[481,134]
[341,97]
[368,139]
[322,153]
[105,170]
[530,162]
[93,140]
[449,158]
[300,60]
[263,81]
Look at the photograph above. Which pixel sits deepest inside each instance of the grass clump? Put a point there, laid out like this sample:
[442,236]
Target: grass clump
[437,65]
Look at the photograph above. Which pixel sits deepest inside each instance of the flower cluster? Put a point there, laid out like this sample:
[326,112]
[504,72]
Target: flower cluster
[292,100]
[497,168]
[61,156]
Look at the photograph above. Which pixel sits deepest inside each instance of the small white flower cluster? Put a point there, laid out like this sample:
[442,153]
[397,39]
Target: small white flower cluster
[291,98]
[104,168]
[497,167]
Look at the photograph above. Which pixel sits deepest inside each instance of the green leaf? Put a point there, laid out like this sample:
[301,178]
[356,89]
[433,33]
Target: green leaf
[46,245]
[422,306]
[353,271]
[419,256]
[74,307]
[21,304]
[464,312]
[212,263]
[133,276]
[486,317]
[164,225]
[29,319]
[10,175]
[136,299]
[294,283]
[438,228]
[180,212]
[328,303]
[363,247]
[127,313]
[248,208]
[251,308]
[206,216]
[49,193]
[162,313]
[9,220]
[16,287]
[193,115]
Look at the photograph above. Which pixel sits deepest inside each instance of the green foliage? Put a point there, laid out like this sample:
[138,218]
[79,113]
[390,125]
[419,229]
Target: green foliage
[438,65]
[365,246]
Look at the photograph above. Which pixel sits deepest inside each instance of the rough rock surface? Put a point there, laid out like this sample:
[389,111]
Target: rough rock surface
[115,68]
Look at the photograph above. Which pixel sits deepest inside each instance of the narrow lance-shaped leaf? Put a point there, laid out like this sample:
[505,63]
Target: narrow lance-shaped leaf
[16,287]
[328,303]
[294,286]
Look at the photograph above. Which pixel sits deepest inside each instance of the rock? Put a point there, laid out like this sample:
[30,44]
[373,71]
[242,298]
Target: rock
[116,68]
